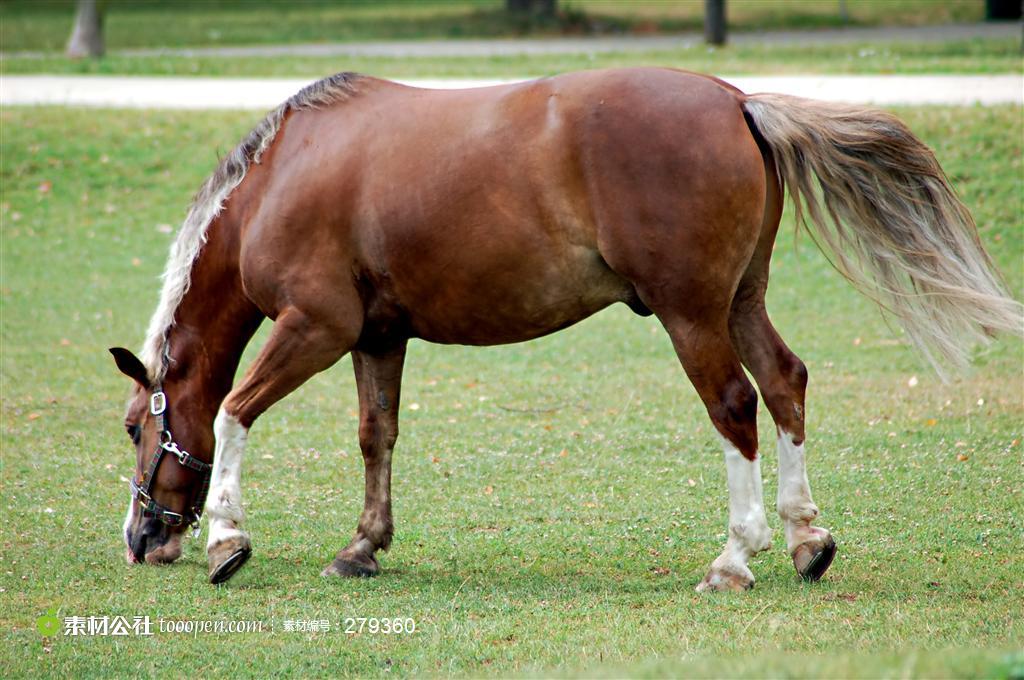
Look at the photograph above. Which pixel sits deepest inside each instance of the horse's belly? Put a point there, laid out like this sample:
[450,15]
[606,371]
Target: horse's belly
[520,301]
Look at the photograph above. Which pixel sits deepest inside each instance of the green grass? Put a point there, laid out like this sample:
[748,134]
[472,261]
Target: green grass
[511,557]
[45,25]
[963,56]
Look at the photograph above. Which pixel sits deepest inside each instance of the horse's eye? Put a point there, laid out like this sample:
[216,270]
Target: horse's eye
[135,432]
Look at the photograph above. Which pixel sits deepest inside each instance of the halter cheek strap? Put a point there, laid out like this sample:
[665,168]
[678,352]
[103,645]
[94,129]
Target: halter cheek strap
[166,444]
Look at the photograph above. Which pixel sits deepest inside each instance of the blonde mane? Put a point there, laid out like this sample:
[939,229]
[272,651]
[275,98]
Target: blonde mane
[209,201]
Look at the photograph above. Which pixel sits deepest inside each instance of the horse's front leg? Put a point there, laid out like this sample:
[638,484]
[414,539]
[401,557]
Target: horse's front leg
[301,344]
[379,381]
[228,546]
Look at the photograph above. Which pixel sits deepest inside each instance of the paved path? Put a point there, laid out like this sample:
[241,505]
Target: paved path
[482,48]
[266,93]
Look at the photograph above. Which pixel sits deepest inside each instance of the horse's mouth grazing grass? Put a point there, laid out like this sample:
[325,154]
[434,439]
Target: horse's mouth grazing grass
[165,553]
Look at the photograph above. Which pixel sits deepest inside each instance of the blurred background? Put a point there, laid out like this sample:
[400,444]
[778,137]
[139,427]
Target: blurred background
[758,36]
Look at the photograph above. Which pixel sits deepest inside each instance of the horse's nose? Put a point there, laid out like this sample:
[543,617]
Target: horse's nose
[136,546]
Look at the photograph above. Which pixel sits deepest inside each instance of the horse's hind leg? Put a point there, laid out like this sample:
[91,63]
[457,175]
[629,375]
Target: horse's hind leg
[714,369]
[782,379]
[302,343]
[379,380]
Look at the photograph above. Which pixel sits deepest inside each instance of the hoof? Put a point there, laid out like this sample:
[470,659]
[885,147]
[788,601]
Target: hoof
[719,580]
[226,557]
[812,558]
[351,566]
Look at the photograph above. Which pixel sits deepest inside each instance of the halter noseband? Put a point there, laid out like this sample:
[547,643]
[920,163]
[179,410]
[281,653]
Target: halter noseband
[166,444]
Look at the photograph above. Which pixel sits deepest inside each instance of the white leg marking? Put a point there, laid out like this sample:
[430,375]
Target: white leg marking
[794,503]
[748,527]
[224,503]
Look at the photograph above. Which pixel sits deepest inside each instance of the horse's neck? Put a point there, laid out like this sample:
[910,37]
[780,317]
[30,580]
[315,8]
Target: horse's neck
[213,323]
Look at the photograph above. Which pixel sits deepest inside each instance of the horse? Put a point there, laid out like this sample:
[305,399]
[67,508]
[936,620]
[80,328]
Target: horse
[362,213]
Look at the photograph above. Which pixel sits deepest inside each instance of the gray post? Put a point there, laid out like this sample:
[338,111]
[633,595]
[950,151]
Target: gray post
[714,22]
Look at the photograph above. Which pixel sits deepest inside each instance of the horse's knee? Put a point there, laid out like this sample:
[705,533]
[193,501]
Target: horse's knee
[377,431]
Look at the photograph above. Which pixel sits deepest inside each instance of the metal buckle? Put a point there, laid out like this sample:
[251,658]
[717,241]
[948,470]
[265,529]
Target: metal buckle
[137,492]
[172,448]
[144,500]
[157,403]
[171,519]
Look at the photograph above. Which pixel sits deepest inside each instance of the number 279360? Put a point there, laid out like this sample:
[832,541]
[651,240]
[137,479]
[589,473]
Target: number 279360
[379,626]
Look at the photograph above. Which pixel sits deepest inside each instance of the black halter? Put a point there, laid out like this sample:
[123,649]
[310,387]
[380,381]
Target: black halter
[165,444]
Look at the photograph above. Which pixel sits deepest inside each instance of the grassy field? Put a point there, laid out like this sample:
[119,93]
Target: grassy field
[555,502]
[35,25]
[961,56]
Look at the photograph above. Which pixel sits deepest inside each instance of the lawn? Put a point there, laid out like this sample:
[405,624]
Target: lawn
[35,25]
[556,502]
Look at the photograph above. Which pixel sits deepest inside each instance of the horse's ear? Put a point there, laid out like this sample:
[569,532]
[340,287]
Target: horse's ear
[130,365]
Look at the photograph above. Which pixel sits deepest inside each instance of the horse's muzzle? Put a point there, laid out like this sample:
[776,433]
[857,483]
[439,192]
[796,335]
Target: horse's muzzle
[151,541]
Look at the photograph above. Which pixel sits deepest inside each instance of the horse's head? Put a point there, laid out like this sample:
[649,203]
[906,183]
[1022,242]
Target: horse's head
[168,485]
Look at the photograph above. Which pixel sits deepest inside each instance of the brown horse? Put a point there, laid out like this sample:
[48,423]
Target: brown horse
[362,213]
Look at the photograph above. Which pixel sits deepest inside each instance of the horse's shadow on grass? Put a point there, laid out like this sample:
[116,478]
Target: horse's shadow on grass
[631,580]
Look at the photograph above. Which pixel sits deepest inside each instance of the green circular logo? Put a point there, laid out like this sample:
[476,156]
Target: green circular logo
[48,624]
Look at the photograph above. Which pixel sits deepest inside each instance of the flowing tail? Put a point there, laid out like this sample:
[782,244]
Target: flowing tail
[889,221]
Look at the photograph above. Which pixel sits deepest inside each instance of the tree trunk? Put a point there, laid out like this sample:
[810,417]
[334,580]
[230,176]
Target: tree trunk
[714,22]
[542,7]
[87,36]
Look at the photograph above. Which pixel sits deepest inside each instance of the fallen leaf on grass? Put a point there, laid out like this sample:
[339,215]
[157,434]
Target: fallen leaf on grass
[661,571]
[488,490]
[962,457]
[44,187]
